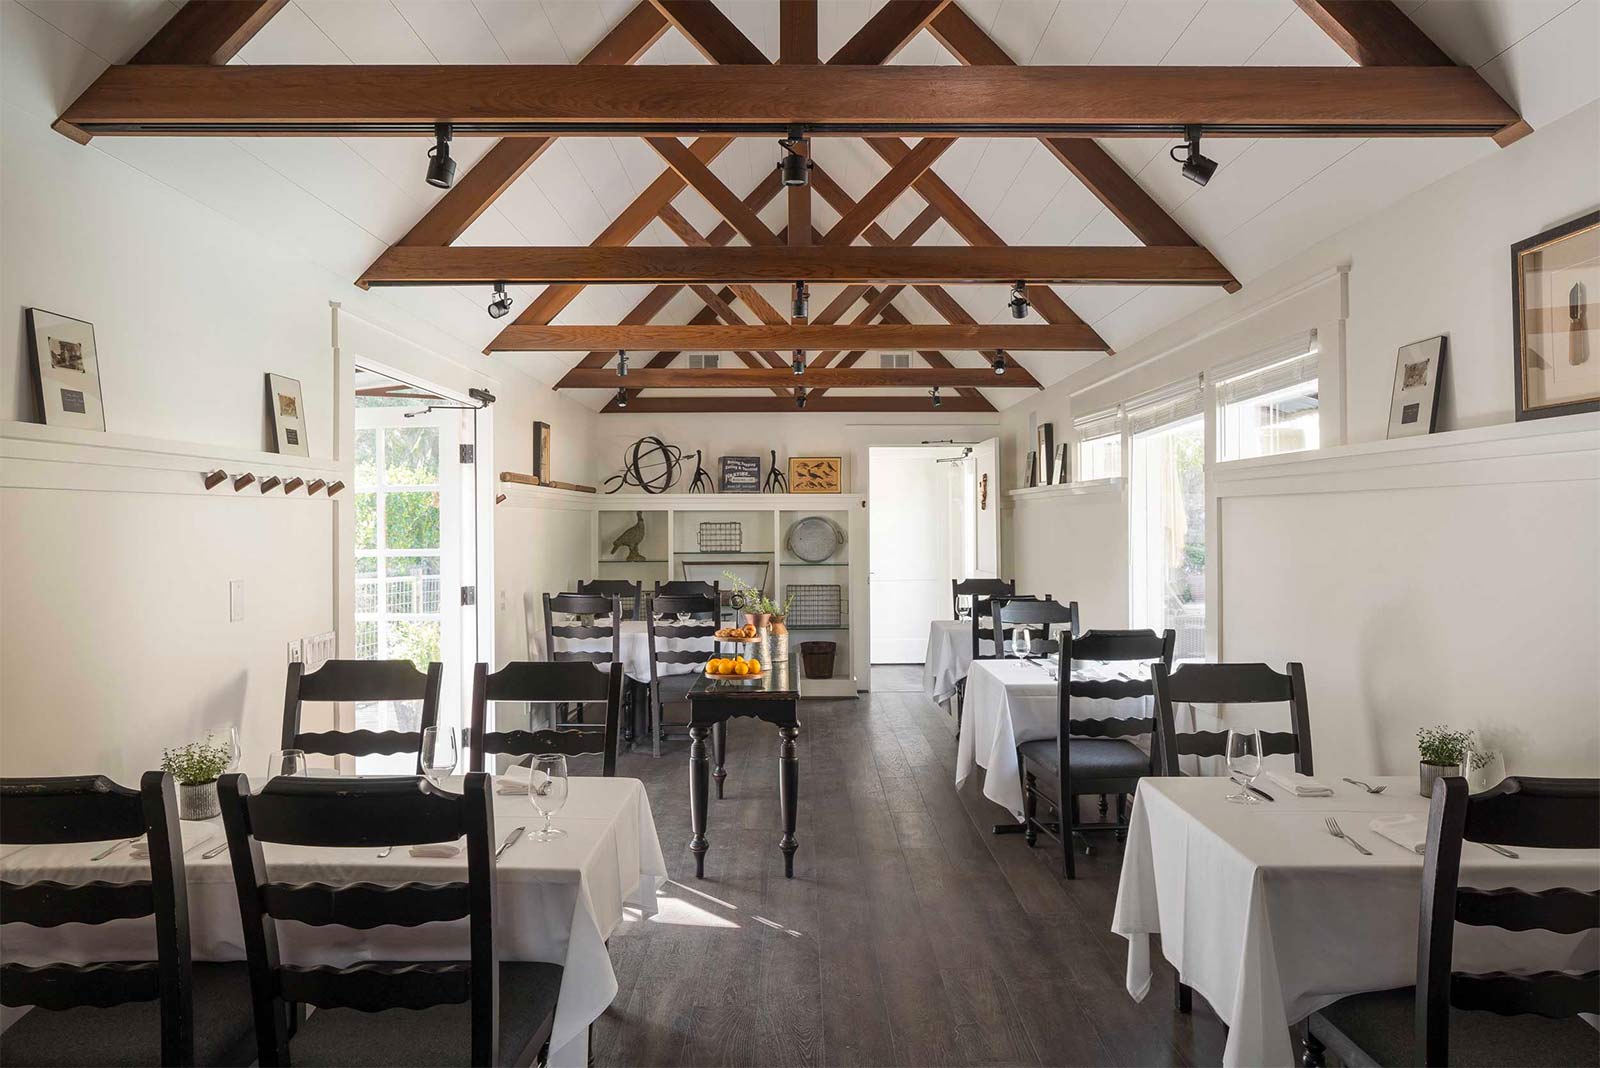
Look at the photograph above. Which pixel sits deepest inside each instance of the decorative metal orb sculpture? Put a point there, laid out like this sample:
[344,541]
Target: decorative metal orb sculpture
[649,464]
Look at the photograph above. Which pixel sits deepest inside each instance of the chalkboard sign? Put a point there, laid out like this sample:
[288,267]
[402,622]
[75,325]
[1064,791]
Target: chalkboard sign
[740,474]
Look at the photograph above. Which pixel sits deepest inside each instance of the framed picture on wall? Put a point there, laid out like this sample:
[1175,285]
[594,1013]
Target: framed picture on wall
[1033,469]
[1414,407]
[1555,299]
[288,410]
[66,370]
[1046,444]
[1063,464]
[816,474]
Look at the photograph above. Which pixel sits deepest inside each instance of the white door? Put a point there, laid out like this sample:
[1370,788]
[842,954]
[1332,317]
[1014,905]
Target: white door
[986,488]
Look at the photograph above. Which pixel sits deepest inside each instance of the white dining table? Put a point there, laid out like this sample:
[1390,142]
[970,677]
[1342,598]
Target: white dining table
[949,658]
[1012,701]
[634,648]
[1269,917]
[558,901]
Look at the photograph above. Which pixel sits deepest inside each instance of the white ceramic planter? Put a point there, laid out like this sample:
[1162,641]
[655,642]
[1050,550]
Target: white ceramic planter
[1429,773]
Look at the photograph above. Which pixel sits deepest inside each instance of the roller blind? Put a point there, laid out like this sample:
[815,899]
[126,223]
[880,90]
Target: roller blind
[1097,425]
[1288,364]
[1169,407]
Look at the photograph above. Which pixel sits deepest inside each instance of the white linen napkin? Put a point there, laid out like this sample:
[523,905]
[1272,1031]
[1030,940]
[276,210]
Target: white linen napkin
[442,850]
[195,833]
[1300,785]
[1407,832]
[516,779]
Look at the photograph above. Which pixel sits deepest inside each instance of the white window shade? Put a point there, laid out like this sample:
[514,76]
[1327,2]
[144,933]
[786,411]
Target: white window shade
[1099,425]
[1159,411]
[1289,364]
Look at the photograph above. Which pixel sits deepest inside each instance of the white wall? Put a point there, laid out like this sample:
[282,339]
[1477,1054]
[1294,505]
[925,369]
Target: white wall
[1453,580]
[911,545]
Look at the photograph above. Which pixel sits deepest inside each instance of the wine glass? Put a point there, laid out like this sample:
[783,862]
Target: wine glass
[287,762]
[547,789]
[1022,642]
[439,754]
[231,740]
[1244,759]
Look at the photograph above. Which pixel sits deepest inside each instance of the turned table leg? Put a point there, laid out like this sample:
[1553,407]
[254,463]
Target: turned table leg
[719,744]
[788,794]
[699,795]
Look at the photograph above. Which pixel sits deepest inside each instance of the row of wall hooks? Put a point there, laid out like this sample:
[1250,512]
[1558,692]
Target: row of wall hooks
[213,479]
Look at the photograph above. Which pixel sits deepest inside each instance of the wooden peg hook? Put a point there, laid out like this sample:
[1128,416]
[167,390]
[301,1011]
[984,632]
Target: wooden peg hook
[270,482]
[334,487]
[241,481]
[315,486]
[293,484]
[216,478]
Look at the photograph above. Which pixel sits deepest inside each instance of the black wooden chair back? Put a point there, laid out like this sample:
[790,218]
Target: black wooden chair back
[974,588]
[704,614]
[629,593]
[1015,613]
[691,588]
[986,626]
[361,680]
[570,617]
[92,808]
[1231,684]
[547,683]
[1532,813]
[371,812]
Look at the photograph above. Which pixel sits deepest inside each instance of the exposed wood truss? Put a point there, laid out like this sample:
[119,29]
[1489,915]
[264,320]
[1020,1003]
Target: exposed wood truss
[884,337]
[747,378]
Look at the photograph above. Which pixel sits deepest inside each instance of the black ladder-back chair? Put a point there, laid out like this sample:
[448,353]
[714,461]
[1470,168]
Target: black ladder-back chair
[1495,1018]
[974,588]
[1017,612]
[361,680]
[691,588]
[1091,756]
[630,593]
[1228,684]
[167,1011]
[381,1012]
[606,613]
[664,689]
[997,632]
[554,683]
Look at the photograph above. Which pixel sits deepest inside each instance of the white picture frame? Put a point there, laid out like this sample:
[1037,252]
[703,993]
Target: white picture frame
[287,407]
[66,370]
[1414,406]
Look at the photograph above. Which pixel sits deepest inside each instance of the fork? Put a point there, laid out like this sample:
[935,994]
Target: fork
[1364,786]
[114,846]
[215,851]
[1333,829]
[385,851]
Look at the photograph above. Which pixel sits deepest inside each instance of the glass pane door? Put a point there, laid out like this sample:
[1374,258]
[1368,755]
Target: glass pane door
[1167,544]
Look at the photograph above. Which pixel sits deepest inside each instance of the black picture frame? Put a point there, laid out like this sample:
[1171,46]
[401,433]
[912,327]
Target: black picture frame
[1519,367]
[80,405]
[1033,470]
[1045,445]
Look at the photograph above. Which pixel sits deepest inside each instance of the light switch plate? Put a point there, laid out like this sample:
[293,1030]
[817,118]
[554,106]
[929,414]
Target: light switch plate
[235,600]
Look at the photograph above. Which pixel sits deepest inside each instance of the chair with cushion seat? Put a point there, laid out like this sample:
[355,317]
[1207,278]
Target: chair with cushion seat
[168,1011]
[1090,756]
[478,1011]
[560,684]
[361,681]
[1453,1017]
[679,651]
[628,593]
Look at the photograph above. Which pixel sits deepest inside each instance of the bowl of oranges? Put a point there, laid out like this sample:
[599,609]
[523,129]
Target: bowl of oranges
[733,668]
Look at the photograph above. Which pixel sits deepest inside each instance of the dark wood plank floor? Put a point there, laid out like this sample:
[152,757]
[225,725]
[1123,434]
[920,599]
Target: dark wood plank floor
[910,934]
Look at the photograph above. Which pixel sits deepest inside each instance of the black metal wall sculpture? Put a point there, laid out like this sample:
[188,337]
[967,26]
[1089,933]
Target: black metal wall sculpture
[650,464]
[776,481]
[701,482]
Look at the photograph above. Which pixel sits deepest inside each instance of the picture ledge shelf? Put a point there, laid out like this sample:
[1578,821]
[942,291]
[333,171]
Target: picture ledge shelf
[35,441]
[1069,489]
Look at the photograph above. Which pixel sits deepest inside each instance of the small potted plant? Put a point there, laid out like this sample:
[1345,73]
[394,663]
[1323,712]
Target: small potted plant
[1441,750]
[196,767]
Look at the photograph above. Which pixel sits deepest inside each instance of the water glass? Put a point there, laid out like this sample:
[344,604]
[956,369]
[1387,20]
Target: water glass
[1022,642]
[439,754]
[547,789]
[287,762]
[1244,761]
[230,740]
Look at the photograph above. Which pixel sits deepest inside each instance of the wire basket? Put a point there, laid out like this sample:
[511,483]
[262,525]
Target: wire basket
[816,605]
[721,537]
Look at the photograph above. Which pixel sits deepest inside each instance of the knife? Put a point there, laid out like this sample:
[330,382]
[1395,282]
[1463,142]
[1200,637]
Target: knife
[516,832]
[1259,793]
[1502,850]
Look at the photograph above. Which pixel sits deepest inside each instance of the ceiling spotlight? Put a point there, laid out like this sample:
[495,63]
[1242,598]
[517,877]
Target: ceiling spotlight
[1019,301]
[622,397]
[1197,168]
[441,168]
[800,397]
[622,364]
[799,361]
[934,393]
[801,308]
[1000,361]
[793,162]
[501,304]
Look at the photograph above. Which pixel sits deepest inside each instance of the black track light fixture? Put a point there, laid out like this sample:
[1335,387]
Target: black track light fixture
[1197,168]
[799,361]
[622,364]
[1019,301]
[1000,361]
[441,168]
[500,306]
[938,402]
[792,162]
[801,306]
[622,397]
[800,398]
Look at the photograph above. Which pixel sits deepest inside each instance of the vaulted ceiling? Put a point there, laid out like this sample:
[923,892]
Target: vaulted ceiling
[353,198]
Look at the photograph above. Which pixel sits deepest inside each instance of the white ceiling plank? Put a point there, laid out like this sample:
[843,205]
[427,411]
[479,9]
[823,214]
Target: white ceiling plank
[1076,31]
[523,31]
[1475,31]
[1144,31]
[1552,71]
[42,70]
[1271,170]
[1031,192]
[1227,32]
[112,29]
[838,21]
[1298,41]
[330,170]
[1019,25]
[452,30]
[368,31]
[580,24]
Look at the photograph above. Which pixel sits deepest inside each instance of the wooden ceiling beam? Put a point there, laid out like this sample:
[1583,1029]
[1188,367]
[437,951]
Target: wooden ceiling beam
[208,31]
[712,188]
[811,337]
[888,188]
[835,402]
[341,100]
[712,32]
[750,295]
[589,265]
[797,32]
[889,30]
[746,378]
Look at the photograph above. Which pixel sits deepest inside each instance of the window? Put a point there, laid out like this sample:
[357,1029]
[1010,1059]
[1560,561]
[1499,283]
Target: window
[1099,446]
[1167,521]
[1272,407]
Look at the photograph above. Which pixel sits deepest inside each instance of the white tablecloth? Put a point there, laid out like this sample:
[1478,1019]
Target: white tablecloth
[558,901]
[634,648]
[949,657]
[1012,701]
[1270,918]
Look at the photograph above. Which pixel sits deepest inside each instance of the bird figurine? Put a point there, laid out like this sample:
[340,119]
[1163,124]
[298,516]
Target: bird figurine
[629,539]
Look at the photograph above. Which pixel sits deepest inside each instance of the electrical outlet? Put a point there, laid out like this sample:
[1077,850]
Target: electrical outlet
[296,653]
[235,600]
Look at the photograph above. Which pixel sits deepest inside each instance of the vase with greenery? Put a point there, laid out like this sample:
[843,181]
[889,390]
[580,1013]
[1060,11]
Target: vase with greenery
[1440,750]
[196,767]
[766,615]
